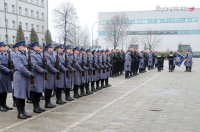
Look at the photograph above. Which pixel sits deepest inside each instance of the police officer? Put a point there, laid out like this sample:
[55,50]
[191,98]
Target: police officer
[107,59]
[52,71]
[89,62]
[171,57]
[150,60]
[159,61]
[84,74]
[98,69]
[71,73]
[103,68]
[79,71]
[188,61]
[13,53]
[37,88]
[5,82]
[142,63]
[95,75]
[127,64]
[21,79]
[61,80]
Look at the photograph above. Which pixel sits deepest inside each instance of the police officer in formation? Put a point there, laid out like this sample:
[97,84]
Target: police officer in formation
[117,60]
[171,58]
[5,82]
[188,61]
[66,70]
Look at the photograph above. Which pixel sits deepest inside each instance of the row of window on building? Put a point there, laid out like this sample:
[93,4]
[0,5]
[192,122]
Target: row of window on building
[158,32]
[151,21]
[12,39]
[35,2]
[27,13]
[25,26]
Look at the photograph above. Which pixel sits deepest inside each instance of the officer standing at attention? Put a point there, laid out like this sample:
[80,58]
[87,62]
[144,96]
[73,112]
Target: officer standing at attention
[71,73]
[79,71]
[21,80]
[5,82]
[37,88]
[188,61]
[61,78]
[52,71]
[171,57]
[127,64]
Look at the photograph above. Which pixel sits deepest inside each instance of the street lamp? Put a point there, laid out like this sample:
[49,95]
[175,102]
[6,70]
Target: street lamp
[92,30]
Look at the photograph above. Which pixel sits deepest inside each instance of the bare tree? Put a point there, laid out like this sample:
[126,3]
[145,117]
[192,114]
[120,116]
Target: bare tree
[116,28]
[150,41]
[65,18]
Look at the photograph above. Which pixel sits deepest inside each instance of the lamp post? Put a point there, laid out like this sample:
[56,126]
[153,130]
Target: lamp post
[92,31]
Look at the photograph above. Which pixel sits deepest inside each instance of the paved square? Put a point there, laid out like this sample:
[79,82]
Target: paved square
[151,102]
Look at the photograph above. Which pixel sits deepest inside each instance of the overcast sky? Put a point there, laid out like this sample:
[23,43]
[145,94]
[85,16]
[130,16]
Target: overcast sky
[87,10]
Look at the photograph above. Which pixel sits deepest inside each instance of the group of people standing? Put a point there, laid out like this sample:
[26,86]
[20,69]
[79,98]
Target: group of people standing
[38,69]
[139,61]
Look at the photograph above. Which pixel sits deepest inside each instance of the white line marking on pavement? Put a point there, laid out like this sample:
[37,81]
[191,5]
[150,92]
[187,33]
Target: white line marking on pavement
[87,117]
[109,104]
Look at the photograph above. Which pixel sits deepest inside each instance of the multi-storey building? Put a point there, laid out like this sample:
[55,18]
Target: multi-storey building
[27,13]
[172,27]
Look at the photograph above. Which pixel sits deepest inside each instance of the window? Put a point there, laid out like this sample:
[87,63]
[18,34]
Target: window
[13,39]
[6,7]
[32,13]
[6,24]
[13,8]
[43,29]
[37,2]
[20,24]
[42,2]
[42,16]
[20,10]
[37,14]
[13,23]
[26,12]
[38,28]
[26,26]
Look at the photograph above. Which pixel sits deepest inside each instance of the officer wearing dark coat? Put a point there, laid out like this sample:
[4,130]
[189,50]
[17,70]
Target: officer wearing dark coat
[38,72]
[171,57]
[21,82]
[159,59]
[5,82]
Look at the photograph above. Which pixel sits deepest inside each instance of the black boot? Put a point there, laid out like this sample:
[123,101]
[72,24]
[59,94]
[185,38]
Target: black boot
[67,95]
[19,105]
[24,112]
[107,84]
[48,103]
[97,86]
[87,89]
[82,91]
[2,108]
[59,97]
[14,102]
[102,83]
[92,87]
[4,102]
[76,95]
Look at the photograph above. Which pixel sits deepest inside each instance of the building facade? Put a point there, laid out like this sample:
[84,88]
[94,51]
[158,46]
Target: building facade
[172,27]
[27,13]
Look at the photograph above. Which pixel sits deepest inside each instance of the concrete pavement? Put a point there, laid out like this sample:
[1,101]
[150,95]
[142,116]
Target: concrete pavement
[150,102]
